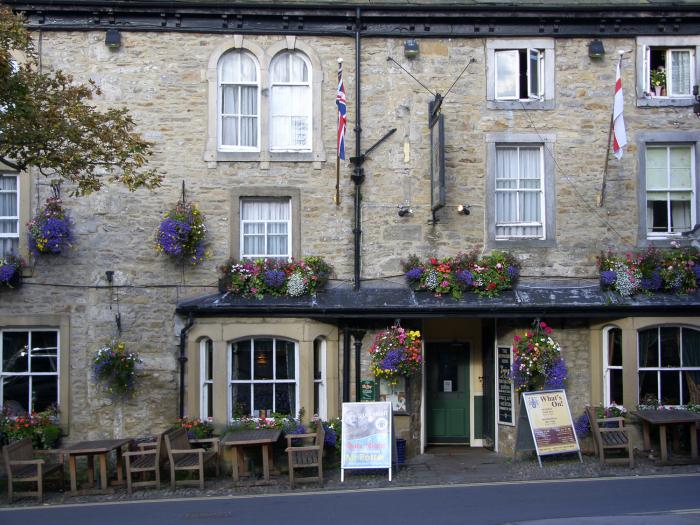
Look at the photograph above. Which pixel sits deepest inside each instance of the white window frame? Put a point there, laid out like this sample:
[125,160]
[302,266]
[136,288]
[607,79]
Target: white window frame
[539,57]
[322,381]
[29,373]
[17,192]
[518,191]
[669,75]
[668,189]
[243,222]
[659,369]
[206,384]
[643,74]
[608,367]
[252,381]
[289,55]
[219,106]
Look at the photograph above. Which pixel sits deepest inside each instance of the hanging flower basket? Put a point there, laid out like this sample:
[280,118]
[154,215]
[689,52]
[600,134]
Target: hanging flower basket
[11,271]
[260,277]
[396,352]
[50,231]
[115,368]
[181,234]
[676,270]
[487,276]
[537,360]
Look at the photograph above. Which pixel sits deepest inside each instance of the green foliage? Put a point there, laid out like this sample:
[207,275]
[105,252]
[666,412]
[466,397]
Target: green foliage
[115,369]
[47,121]
[196,428]
[41,427]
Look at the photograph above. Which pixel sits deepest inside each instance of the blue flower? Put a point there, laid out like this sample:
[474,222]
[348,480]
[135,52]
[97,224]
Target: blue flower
[653,283]
[465,277]
[274,278]
[556,375]
[414,273]
[513,272]
[696,269]
[172,235]
[608,277]
[7,272]
[582,425]
[392,359]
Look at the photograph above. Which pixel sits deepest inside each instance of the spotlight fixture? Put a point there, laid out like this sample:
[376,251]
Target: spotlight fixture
[464,209]
[404,211]
[113,39]
[410,48]
[596,49]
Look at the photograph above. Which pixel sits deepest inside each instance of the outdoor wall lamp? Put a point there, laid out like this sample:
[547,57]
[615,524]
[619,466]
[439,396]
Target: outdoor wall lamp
[113,39]
[410,48]
[596,49]
[405,211]
[464,209]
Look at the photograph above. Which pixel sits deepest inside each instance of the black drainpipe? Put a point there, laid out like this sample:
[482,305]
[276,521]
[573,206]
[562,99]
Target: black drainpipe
[358,335]
[182,360]
[358,176]
[346,364]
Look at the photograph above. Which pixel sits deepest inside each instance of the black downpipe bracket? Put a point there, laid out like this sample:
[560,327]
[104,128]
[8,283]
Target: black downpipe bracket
[358,175]
[183,360]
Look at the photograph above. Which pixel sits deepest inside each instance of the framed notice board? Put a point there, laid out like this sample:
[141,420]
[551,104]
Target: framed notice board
[505,385]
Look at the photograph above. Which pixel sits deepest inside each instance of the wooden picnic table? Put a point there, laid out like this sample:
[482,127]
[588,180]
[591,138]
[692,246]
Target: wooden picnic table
[99,448]
[262,437]
[664,418]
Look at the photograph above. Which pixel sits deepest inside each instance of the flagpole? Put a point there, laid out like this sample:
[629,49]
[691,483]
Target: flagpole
[601,197]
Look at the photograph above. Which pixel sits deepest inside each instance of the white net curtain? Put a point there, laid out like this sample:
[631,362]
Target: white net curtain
[290,102]
[9,215]
[239,99]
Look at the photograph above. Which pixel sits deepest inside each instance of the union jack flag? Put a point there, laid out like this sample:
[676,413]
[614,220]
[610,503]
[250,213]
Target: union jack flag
[341,102]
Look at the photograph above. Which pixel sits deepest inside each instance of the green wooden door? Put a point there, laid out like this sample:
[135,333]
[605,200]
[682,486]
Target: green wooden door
[447,394]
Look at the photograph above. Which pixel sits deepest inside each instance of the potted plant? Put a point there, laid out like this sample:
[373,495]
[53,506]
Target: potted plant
[11,271]
[658,81]
[396,351]
[181,234]
[537,360]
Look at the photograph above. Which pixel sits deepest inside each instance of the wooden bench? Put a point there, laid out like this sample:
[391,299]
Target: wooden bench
[182,456]
[22,467]
[612,435]
[303,456]
[148,459]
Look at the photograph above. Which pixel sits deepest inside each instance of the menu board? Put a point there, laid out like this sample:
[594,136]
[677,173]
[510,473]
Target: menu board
[550,421]
[505,386]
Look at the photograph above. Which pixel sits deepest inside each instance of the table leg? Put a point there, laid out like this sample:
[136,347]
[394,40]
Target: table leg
[694,440]
[676,433]
[647,440]
[266,462]
[234,464]
[73,474]
[120,465]
[91,470]
[664,444]
[103,471]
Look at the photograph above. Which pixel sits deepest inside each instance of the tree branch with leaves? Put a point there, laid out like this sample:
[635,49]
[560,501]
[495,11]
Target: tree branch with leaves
[47,121]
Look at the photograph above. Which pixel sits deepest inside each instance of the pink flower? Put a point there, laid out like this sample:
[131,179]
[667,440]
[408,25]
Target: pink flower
[499,266]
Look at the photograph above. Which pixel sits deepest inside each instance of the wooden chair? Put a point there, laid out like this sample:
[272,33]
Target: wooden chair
[304,456]
[149,458]
[22,467]
[609,437]
[182,456]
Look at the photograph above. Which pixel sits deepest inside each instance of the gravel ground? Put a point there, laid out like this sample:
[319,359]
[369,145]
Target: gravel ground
[450,465]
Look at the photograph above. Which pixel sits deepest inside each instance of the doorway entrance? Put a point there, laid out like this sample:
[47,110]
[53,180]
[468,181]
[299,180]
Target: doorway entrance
[447,393]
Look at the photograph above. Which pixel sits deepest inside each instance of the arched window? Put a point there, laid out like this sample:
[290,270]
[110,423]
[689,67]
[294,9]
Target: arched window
[206,375]
[320,378]
[290,102]
[669,365]
[263,372]
[612,366]
[238,102]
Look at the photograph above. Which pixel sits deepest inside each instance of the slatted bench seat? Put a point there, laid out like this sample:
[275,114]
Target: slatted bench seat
[610,434]
[22,467]
[306,456]
[182,456]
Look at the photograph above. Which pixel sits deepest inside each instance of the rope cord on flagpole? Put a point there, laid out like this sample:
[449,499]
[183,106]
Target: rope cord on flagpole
[590,208]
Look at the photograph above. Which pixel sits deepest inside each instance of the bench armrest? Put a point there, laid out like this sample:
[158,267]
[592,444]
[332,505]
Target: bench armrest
[198,451]
[617,429]
[20,462]
[302,449]
[137,453]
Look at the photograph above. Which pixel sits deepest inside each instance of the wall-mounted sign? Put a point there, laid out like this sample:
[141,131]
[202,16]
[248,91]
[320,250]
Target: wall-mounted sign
[437,163]
[505,386]
[367,437]
[367,387]
[447,385]
[396,394]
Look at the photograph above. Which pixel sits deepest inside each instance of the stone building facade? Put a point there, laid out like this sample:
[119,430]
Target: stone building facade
[168,74]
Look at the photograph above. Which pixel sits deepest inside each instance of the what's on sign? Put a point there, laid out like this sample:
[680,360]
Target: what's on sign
[550,421]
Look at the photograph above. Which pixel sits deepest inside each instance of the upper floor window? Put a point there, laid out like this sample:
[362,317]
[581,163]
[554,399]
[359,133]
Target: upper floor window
[520,73]
[669,365]
[290,102]
[9,214]
[519,192]
[239,102]
[266,228]
[670,184]
[668,70]
[29,370]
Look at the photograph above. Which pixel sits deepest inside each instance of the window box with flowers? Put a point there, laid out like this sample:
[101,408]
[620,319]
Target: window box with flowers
[260,277]
[42,427]
[196,428]
[11,271]
[676,270]
[487,276]
[50,231]
[537,360]
[182,233]
[114,368]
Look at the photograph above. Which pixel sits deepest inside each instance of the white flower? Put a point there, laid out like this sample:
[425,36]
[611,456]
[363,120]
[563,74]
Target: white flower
[296,285]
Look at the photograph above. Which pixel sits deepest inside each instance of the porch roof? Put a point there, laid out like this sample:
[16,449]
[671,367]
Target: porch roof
[389,299]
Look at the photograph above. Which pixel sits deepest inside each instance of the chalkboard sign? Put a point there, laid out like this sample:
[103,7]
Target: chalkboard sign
[505,386]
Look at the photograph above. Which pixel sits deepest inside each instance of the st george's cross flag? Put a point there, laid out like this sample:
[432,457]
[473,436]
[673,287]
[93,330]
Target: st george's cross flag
[619,133]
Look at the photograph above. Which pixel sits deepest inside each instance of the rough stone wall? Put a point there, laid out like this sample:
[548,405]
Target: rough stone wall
[161,79]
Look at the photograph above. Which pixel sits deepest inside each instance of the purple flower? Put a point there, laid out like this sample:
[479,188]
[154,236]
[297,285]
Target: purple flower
[274,278]
[465,277]
[608,277]
[556,375]
[696,269]
[7,272]
[172,235]
[582,425]
[392,359]
[330,437]
[513,272]
[653,283]
[414,273]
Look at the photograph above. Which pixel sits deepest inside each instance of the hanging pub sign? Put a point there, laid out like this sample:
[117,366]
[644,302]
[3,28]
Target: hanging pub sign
[437,158]
[505,385]
[367,437]
[550,422]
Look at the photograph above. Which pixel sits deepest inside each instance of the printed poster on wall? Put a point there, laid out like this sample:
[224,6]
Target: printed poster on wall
[366,435]
[550,421]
